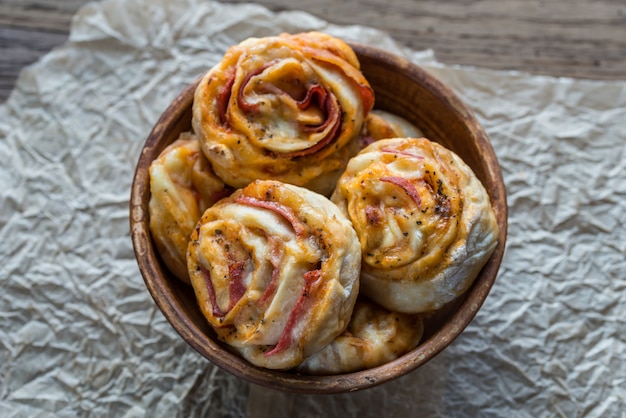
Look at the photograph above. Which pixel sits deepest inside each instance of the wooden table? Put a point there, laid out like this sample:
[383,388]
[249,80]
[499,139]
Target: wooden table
[577,38]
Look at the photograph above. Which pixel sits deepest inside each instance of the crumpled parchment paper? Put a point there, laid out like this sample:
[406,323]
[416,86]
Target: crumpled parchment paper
[81,336]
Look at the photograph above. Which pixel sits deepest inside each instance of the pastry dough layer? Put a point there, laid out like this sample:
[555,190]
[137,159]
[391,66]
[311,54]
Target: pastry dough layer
[275,269]
[424,221]
[286,107]
[374,336]
[381,124]
[182,187]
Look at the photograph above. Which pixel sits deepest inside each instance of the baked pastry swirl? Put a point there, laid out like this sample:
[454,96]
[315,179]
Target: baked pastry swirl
[424,222]
[374,336]
[275,269]
[381,124]
[182,187]
[287,107]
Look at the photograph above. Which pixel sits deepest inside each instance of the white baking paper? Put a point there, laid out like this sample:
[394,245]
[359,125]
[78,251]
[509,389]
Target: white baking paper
[81,336]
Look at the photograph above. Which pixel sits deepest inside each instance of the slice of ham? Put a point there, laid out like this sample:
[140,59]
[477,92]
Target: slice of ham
[243,104]
[217,312]
[316,95]
[332,58]
[331,125]
[401,152]
[275,259]
[312,279]
[236,287]
[405,185]
[286,212]
[223,98]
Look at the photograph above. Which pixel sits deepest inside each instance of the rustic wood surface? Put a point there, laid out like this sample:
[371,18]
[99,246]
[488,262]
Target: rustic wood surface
[576,38]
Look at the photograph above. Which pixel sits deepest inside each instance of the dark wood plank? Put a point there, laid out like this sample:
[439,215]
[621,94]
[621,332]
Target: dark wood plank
[576,38]
[579,38]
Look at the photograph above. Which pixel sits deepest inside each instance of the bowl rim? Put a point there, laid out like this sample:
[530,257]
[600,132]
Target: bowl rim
[151,270]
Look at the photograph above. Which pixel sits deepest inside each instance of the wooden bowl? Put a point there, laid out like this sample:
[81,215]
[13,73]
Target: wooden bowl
[401,88]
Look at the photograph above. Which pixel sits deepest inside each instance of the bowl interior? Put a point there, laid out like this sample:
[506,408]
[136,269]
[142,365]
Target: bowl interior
[401,88]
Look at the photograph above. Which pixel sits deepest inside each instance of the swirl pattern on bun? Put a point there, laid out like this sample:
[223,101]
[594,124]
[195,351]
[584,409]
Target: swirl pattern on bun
[287,107]
[275,269]
[374,336]
[424,222]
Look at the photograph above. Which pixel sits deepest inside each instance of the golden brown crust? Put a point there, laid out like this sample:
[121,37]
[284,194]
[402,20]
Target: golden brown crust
[380,124]
[275,269]
[424,221]
[374,336]
[286,107]
[182,186]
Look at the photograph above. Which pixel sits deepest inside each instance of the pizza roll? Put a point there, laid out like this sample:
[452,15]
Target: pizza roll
[288,108]
[182,187]
[423,219]
[275,269]
[380,124]
[374,337]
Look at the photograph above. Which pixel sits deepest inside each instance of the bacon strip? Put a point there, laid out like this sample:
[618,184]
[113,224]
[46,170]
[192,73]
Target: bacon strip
[311,280]
[405,185]
[286,212]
